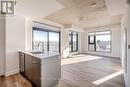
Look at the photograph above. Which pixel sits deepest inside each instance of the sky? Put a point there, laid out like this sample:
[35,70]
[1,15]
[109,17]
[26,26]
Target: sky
[104,38]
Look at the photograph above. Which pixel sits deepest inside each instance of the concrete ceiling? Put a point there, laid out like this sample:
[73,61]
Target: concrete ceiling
[82,13]
[115,7]
[37,8]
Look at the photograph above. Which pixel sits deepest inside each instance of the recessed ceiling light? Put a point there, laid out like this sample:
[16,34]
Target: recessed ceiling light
[81,18]
[93,5]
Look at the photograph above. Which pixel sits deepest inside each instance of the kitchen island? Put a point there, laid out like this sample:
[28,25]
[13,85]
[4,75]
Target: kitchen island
[42,69]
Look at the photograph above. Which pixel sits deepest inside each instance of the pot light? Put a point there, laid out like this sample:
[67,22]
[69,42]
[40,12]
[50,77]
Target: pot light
[93,5]
[81,18]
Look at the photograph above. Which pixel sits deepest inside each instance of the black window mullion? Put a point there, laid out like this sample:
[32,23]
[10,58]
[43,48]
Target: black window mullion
[89,39]
[77,42]
[71,41]
[33,39]
[59,42]
[47,40]
[94,43]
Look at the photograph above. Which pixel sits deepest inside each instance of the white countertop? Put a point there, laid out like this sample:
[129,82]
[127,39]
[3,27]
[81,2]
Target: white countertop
[46,54]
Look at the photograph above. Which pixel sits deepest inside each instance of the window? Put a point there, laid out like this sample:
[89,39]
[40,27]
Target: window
[73,41]
[92,42]
[100,41]
[53,41]
[45,39]
[39,36]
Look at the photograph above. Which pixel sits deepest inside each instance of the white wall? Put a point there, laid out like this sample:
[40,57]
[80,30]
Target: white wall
[116,39]
[15,41]
[128,42]
[84,42]
[124,47]
[64,43]
[2,45]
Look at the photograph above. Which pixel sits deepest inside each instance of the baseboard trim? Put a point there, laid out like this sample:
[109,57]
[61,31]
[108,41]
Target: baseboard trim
[9,73]
[102,55]
[2,73]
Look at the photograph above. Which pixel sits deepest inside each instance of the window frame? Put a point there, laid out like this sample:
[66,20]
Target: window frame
[71,34]
[94,43]
[95,40]
[46,30]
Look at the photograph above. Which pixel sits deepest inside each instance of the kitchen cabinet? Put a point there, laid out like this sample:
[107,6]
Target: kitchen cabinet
[30,67]
[51,71]
[42,72]
[36,71]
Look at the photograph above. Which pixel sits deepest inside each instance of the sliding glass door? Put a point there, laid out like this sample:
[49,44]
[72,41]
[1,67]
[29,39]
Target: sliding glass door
[54,41]
[45,39]
[39,36]
[73,41]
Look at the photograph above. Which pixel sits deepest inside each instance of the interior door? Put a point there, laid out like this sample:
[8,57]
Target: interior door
[125,51]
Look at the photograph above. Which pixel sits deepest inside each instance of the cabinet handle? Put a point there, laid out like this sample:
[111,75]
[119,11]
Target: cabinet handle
[34,62]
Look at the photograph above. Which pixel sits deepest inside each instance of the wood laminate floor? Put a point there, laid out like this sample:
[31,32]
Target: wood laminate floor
[80,71]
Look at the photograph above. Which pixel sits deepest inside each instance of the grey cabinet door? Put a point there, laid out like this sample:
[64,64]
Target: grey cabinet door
[28,66]
[36,71]
[33,69]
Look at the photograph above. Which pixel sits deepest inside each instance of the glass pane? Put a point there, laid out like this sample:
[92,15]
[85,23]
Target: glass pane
[74,41]
[103,43]
[39,40]
[53,41]
[91,39]
[92,47]
[70,43]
